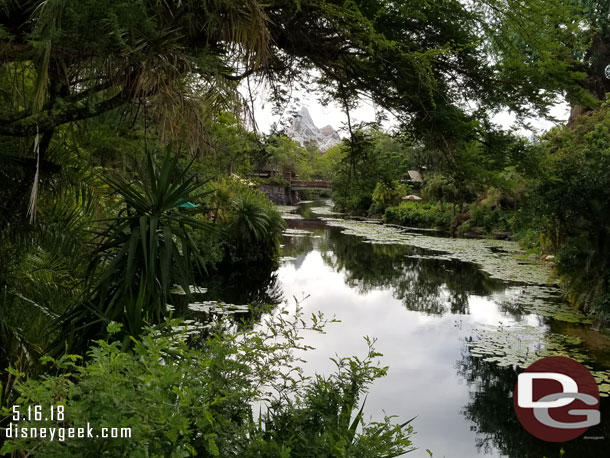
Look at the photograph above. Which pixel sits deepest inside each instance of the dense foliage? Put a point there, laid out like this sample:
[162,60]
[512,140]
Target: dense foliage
[181,399]
[125,145]
[568,205]
[419,215]
[370,166]
[253,226]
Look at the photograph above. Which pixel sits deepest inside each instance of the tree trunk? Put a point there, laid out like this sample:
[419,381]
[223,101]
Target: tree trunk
[596,82]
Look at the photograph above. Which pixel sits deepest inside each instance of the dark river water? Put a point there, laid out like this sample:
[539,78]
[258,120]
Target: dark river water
[423,310]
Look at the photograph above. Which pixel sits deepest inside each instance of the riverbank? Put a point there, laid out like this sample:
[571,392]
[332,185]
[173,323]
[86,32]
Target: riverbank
[456,320]
[482,221]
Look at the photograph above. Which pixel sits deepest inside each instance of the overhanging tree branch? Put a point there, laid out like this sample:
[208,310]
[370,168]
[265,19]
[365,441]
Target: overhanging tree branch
[49,120]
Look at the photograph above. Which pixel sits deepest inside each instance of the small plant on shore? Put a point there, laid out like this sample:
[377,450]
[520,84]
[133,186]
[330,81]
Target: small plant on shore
[197,398]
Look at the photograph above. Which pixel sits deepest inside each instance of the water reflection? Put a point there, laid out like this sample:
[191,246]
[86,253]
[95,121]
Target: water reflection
[423,284]
[423,307]
[257,287]
[490,412]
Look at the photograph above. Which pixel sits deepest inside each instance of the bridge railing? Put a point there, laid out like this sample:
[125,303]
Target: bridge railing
[311,183]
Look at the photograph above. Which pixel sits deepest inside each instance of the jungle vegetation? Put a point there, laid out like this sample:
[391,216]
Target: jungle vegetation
[123,137]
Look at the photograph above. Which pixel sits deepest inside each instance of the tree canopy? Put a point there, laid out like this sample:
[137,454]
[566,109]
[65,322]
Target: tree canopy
[434,64]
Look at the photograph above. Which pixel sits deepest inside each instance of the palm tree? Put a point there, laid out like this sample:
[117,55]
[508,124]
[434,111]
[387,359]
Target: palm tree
[249,220]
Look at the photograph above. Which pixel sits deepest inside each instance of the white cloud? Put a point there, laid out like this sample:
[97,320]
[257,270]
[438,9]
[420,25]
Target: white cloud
[334,115]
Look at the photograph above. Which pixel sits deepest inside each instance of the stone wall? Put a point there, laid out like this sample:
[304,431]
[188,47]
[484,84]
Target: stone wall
[280,195]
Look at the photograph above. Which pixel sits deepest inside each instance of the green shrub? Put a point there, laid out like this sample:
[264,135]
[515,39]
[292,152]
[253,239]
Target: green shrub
[312,194]
[357,202]
[251,227]
[464,229]
[489,219]
[568,205]
[276,180]
[139,254]
[387,194]
[419,214]
[182,401]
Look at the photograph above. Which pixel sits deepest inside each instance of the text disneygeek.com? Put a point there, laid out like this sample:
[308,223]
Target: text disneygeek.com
[33,414]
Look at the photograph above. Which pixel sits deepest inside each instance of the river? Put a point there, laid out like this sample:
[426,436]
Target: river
[454,320]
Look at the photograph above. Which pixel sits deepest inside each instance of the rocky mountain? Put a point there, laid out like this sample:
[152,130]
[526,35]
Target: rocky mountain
[302,129]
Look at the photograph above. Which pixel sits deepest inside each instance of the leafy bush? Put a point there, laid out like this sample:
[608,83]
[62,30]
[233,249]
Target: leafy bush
[492,212]
[251,227]
[440,188]
[568,205]
[489,219]
[275,180]
[312,194]
[139,255]
[386,195]
[419,214]
[182,401]
[355,201]
[253,223]
[368,158]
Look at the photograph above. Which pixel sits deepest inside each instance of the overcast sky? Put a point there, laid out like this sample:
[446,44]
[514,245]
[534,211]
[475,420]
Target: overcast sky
[333,115]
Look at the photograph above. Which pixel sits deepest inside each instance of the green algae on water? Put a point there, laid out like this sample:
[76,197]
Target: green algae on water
[500,259]
[521,345]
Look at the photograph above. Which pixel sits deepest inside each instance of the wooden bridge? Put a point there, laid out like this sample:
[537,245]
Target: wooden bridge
[316,185]
[288,195]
